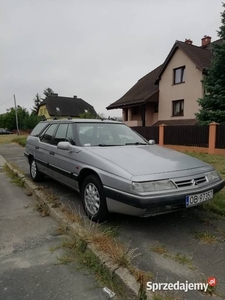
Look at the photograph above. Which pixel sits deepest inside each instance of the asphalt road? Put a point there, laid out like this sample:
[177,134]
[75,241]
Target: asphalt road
[175,231]
[28,270]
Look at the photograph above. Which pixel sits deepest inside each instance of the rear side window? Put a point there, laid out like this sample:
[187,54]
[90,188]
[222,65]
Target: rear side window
[48,134]
[38,129]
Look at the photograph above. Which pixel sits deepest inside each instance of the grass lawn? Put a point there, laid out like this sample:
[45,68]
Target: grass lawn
[10,138]
[218,162]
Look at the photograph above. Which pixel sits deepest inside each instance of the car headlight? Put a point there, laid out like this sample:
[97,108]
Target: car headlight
[212,175]
[152,186]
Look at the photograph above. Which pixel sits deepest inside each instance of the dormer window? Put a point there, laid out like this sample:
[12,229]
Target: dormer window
[179,75]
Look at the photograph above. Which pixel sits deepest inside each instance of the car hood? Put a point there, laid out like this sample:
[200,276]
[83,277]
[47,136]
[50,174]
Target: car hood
[149,159]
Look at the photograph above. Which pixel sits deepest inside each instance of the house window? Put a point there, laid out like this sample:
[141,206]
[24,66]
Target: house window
[178,75]
[135,110]
[156,108]
[125,111]
[178,108]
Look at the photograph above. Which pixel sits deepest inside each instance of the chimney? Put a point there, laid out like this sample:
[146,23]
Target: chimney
[206,40]
[188,41]
[75,97]
[54,95]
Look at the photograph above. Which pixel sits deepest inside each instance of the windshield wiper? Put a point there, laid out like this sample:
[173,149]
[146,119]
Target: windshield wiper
[136,143]
[106,145]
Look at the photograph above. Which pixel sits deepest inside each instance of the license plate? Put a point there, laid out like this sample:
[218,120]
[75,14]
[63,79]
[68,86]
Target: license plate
[198,198]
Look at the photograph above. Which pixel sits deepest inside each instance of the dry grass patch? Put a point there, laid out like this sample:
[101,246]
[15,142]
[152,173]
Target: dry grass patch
[159,249]
[104,240]
[205,237]
[71,216]
[42,208]
[182,259]
[14,177]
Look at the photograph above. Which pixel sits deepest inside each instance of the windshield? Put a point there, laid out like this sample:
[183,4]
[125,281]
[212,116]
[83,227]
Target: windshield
[107,134]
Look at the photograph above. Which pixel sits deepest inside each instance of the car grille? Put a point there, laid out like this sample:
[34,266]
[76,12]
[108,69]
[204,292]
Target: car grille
[190,182]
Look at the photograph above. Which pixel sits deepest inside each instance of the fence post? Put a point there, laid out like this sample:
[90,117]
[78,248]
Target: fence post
[161,134]
[212,137]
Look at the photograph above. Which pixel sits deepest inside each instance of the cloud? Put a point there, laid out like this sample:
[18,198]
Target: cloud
[93,49]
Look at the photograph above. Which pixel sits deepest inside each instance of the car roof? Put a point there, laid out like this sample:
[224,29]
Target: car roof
[82,121]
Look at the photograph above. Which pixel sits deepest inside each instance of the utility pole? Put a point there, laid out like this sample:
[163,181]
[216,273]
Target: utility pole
[17,126]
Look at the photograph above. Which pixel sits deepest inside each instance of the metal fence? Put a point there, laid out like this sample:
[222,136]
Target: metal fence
[189,135]
[149,132]
[220,136]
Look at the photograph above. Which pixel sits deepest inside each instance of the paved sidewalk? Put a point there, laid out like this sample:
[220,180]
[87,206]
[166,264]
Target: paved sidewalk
[28,270]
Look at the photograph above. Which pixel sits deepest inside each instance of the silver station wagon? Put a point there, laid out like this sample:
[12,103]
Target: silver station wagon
[116,170]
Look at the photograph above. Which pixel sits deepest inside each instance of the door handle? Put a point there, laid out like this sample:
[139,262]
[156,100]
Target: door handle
[51,153]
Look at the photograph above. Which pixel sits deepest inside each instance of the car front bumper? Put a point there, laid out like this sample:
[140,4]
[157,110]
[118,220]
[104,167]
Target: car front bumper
[157,203]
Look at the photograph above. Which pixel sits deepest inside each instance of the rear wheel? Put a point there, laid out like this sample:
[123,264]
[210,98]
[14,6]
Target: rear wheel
[35,174]
[93,199]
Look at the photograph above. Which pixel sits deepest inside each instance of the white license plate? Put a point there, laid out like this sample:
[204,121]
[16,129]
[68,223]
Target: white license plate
[198,198]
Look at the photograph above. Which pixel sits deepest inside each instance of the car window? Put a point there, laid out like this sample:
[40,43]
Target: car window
[85,133]
[60,135]
[107,134]
[70,135]
[38,129]
[46,137]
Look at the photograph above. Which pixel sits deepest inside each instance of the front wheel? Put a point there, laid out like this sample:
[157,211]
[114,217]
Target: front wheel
[35,174]
[93,199]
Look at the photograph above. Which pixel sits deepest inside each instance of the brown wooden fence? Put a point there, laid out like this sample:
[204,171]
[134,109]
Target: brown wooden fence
[189,135]
[220,137]
[150,132]
[208,139]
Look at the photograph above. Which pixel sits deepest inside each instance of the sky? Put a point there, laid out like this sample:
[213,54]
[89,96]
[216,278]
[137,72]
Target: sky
[94,49]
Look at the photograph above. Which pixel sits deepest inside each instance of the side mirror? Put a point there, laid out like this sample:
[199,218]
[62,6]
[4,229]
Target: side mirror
[65,146]
[151,142]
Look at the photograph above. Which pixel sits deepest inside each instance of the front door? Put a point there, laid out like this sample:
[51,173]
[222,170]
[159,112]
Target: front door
[43,148]
[63,162]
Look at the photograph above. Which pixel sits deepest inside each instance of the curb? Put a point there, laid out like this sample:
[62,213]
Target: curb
[126,279]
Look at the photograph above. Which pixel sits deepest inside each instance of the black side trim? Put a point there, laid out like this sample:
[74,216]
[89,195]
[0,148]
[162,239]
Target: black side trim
[63,172]
[41,162]
[26,155]
[60,171]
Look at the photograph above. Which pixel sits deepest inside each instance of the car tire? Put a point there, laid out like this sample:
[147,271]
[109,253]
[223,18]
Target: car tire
[35,174]
[93,199]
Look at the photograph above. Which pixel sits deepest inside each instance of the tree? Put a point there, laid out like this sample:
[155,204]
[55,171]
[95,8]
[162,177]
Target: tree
[48,92]
[213,101]
[88,115]
[37,101]
[25,120]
